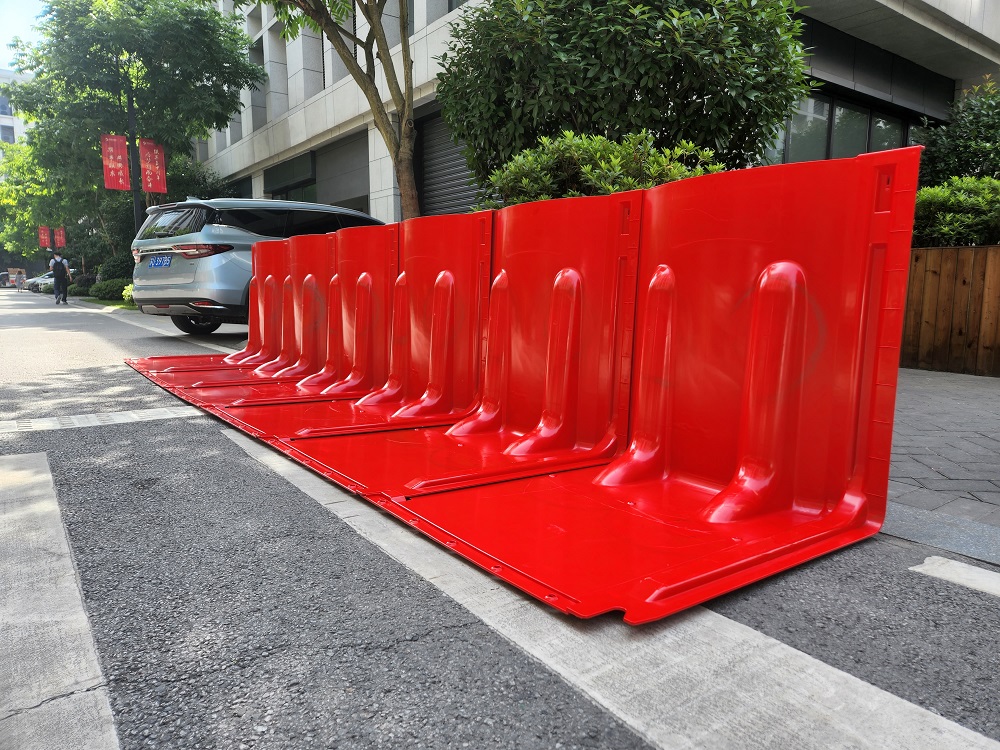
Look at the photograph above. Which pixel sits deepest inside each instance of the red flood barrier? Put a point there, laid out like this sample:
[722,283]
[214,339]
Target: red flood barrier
[269,258]
[743,429]
[440,301]
[561,312]
[770,316]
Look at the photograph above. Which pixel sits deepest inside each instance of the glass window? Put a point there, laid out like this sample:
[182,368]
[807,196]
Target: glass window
[266,222]
[915,134]
[887,132]
[314,222]
[6,134]
[5,106]
[775,152]
[172,223]
[349,220]
[808,130]
[850,130]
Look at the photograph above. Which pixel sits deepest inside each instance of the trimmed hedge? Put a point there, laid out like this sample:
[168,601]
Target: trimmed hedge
[962,211]
[575,165]
[119,266]
[110,289]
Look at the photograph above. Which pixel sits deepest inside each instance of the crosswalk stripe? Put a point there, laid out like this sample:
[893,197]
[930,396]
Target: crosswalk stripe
[53,691]
[961,573]
[694,680]
[100,419]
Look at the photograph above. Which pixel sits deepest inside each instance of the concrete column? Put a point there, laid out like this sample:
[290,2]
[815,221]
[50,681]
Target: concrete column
[383,201]
[305,67]
[276,65]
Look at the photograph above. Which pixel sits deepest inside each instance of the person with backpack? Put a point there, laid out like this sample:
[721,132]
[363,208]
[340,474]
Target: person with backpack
[60,276]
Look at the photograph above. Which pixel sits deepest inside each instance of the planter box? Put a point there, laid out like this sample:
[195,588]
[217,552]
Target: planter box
[952,321]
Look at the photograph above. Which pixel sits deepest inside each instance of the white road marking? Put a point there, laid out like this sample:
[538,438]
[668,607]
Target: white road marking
[124,318]
[52,693]
[958,572]
[97,420]
[695,680]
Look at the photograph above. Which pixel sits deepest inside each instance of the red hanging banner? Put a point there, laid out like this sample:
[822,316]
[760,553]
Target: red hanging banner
[154,169]
[114,152]
[44,237]
[60,237]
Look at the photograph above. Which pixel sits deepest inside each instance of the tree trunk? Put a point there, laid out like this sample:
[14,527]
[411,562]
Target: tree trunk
[409,196]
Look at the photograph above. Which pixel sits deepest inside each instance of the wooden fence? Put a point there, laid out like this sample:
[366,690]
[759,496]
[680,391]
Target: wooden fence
[952,321]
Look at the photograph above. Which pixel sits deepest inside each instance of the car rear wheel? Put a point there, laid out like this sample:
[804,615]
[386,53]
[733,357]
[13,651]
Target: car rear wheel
[195,324]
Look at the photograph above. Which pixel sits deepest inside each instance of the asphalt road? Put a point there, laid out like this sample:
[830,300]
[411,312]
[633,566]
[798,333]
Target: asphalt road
[234,607]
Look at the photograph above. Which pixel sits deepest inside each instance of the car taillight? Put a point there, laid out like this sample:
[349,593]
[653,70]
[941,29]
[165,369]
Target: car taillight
[135,255]
[201,251]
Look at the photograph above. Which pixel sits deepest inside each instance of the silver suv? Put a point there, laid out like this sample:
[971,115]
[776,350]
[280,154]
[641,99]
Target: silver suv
[192,259]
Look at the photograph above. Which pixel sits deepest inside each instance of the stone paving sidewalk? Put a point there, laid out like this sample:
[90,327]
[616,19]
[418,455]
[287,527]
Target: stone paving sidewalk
[946,445]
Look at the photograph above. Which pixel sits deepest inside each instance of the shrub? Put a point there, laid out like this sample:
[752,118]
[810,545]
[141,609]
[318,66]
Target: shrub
[46,289]
[574,165]
[82,282]
[962,211]
[127,293]
[969,145]
[110,289]
[73,290]
[119,266]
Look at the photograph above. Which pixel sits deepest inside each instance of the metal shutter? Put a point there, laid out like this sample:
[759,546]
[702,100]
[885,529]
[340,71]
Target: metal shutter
[447,186]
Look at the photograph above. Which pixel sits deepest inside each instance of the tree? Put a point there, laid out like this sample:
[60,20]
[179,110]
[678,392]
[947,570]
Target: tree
[393,119]
[723,74]
[126,66]
[969,145]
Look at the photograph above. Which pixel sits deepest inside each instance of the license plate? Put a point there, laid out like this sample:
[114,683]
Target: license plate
[159,261]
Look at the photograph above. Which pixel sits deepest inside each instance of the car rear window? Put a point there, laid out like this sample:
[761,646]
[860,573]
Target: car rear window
[173,222]
[266,222]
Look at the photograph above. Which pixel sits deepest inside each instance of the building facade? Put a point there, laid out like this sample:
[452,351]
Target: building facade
[308,134]
[11,126]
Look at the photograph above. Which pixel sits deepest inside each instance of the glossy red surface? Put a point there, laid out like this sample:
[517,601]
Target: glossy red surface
[436,342]
[745,430]
[268,258]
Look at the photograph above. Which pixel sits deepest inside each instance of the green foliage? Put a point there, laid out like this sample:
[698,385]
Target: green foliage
[127,293]
[110,289]
[92,58]
[962,211]
[118,266]
[574,165]
[969,145]
[47,289]
[81,284]
[722,74]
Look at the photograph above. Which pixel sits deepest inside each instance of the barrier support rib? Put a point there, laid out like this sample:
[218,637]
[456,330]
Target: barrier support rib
[556,429]
[288,353]
[307,332]
[359,378]
[331,370]
[399,349]
[764,480]
[271,317]
[439,396]
[648,455]
[489,417]
[256,319]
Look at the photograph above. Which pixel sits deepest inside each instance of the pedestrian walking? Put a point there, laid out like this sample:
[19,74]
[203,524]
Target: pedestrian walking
[60,276]
[19,280]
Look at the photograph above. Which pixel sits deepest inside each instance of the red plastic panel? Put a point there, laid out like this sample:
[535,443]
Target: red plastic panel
[347,333]
[436,351]
[770,318]
[269,259]
[561,312]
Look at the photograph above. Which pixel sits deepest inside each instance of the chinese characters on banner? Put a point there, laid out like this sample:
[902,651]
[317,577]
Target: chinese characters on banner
[154,171]
[114,152]
[44,237]
[60,237]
